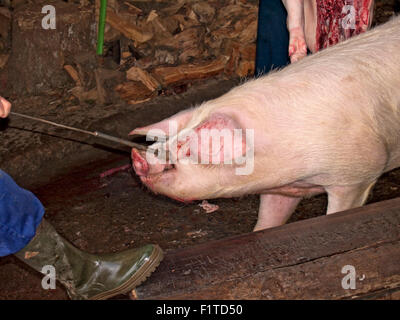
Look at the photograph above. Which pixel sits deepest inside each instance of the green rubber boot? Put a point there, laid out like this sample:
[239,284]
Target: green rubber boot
[85,275]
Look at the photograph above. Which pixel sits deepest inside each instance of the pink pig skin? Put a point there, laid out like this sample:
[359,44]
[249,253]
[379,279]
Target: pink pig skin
[328,123]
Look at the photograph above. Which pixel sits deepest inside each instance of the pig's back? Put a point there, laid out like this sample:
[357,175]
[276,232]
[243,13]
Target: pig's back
[365,88]
[337,110]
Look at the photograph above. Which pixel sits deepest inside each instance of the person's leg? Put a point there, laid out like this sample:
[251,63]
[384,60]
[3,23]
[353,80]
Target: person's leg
[24,233]
[272,37]
[20,214]
[85,275]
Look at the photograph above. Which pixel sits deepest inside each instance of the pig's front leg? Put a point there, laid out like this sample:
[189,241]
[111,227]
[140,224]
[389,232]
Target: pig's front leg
[295,24]
[342,198]
[275,210]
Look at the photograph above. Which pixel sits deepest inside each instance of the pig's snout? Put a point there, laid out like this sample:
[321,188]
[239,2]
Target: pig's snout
[148,164]
[140,165]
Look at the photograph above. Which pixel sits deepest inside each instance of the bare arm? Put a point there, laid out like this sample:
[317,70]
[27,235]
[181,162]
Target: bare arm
[295,25]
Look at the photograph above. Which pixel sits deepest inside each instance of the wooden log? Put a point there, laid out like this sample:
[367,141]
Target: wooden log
[249,34]
[154,23]
[245,22]
[128,29]
[133,8]
[204,11]
[185,23]
[225,33]
[231,49]
[171,10]
[174,75]
[248,52]
[301,260]
[137,74]
[233,21]
[161,56]
[73,74]
[192,16]
[245,68]
[152,15]
[134,92]
[172,24]
[83,95]
[186,39]
[226,14]
[192,54]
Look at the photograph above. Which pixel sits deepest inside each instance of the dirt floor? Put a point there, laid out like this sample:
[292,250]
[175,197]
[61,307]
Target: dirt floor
[111,213]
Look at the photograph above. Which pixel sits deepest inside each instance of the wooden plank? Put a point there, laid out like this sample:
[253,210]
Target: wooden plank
[317,279]
[295,261]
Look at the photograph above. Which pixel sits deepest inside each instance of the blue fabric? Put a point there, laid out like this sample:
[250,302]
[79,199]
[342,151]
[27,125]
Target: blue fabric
[272,36]
[20,214]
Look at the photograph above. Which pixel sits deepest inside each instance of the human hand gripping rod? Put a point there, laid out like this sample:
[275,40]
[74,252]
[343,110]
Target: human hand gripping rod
[92,133]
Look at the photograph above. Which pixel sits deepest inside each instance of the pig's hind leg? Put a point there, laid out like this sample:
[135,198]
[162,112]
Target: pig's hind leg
[275,210]
[342,198]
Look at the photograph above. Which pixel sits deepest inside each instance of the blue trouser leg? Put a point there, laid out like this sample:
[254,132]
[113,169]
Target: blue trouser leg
[272,36]
[20,214]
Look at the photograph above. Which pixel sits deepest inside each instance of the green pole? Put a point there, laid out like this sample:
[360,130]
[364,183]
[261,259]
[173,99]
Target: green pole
[102,23]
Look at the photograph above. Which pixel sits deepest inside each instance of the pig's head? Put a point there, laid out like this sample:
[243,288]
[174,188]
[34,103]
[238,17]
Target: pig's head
[198,155]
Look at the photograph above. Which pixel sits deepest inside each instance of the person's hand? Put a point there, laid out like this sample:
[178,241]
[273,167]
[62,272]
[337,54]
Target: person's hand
[295,24]
[297,44]
[5,107]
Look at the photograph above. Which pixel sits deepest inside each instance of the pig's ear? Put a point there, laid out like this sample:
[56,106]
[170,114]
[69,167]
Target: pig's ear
[226,132]
[181,119]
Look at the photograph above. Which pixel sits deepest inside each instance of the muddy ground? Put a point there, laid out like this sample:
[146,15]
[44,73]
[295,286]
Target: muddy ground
[112,213]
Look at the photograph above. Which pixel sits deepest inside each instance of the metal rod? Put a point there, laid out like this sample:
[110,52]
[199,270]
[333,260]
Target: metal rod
[119,140]
[92,133]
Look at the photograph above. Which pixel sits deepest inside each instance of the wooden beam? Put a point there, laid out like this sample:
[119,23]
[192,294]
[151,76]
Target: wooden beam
[301,260]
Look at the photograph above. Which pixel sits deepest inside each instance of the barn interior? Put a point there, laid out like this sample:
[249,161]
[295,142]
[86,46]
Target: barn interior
[159,57]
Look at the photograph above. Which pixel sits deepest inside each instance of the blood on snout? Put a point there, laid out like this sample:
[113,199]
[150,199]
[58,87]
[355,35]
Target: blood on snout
[140,164]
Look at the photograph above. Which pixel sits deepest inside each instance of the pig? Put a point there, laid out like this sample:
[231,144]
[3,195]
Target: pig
[317,24]
[329,123]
